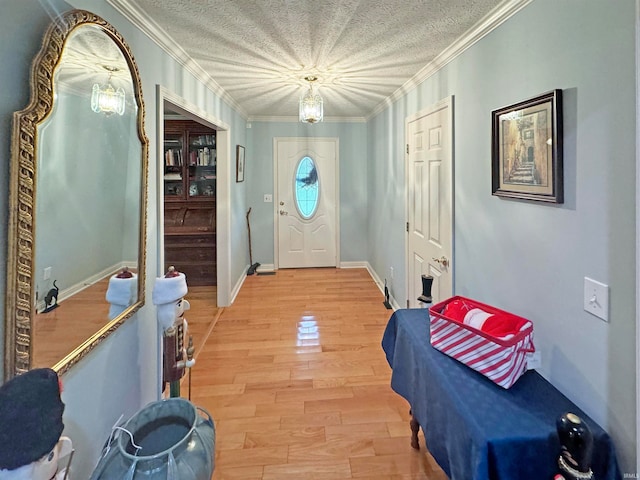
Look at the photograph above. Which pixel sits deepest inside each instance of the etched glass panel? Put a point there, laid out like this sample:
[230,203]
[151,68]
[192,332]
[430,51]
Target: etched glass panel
[307,188]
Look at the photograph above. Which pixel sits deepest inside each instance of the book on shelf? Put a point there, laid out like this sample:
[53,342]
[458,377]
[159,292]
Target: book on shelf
[204,140]
[173,157]
[172,176]
[202,156]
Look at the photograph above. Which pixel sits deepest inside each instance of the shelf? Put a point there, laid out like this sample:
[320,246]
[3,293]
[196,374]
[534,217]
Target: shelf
[180,233]
[199,147]
[189,215]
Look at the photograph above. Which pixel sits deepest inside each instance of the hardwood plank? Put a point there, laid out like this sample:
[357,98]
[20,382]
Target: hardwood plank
[314,394]
[331,449]
[298,385]
[231,441]
[286,437]
[255,456]
[409,463]
[296,471]
[223,472]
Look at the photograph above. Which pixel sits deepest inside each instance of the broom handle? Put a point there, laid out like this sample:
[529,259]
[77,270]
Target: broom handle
[249,230]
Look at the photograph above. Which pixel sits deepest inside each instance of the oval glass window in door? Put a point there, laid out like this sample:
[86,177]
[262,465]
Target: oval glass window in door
[307,188]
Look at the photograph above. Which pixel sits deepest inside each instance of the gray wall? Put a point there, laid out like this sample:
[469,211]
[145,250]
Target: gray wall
[122,374]
[352,178]
[531,258]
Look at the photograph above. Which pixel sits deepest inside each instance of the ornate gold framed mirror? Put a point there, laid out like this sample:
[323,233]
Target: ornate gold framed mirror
[78,195]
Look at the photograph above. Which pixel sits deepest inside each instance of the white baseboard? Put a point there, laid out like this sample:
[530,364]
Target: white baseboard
[266,267]
[238,286]
[380,284]
[354,265]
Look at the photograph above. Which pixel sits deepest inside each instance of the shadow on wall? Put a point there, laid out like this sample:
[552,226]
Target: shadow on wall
[561,367]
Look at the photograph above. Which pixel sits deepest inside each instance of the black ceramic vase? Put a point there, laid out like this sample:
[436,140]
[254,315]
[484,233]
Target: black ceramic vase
[576,446]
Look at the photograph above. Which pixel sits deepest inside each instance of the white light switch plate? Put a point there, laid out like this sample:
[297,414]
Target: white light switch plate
[596,298]
[268,198]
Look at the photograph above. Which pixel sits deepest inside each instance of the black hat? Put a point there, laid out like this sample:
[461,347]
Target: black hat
[30,417]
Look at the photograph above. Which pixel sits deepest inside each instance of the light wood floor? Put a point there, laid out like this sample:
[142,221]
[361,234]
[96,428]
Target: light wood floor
[296,380]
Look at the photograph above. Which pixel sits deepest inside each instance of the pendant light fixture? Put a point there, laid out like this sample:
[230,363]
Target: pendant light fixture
[311,109]
[107,99]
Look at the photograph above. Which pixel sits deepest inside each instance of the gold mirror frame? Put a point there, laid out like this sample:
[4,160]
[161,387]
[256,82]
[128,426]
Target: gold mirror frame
[20,241]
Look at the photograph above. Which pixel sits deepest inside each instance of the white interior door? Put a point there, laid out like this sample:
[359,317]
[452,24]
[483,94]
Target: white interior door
[430,201]
[306,201]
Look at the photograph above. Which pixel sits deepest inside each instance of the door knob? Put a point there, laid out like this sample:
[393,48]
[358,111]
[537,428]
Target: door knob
[282,212]
[281,203]
[443,261]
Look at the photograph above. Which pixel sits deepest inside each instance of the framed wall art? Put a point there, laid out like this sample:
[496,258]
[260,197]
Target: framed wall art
[239,163]
[526,149]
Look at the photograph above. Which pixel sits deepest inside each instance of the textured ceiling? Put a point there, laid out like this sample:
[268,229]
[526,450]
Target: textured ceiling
[362,51]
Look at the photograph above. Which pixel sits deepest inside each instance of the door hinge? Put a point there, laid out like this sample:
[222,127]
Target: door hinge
[407,303]
[407,227]
[407,148]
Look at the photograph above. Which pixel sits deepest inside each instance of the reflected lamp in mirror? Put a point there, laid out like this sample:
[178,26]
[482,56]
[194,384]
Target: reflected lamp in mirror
[107,99]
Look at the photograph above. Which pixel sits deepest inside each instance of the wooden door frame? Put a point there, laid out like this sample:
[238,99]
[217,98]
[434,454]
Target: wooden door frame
[276,235]
[445,102]
[223,187]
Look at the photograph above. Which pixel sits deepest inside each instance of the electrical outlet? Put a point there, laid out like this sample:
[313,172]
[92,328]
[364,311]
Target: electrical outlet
[47,273]
[268,198]
[596,298]
[534,360]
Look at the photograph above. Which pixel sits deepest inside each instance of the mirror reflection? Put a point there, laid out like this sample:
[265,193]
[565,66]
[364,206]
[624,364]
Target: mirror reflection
[90,174]
[88,194]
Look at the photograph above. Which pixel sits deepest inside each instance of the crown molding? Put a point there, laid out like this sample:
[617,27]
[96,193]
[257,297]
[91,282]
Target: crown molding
[140,19]
[296,119]
[486,25]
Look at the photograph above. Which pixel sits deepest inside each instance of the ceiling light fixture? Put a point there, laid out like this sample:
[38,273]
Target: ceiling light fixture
[106,99]
[311,109]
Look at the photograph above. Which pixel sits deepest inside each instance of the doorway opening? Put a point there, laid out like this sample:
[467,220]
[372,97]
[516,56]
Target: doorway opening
[217,213]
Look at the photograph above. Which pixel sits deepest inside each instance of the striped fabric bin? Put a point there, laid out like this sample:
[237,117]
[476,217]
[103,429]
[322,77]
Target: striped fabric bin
[502,360]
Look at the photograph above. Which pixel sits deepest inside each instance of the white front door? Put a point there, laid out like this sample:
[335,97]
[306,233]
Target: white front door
[430,200]
[306,202]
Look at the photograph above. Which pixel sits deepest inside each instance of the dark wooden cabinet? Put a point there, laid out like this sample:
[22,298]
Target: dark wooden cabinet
[190,201]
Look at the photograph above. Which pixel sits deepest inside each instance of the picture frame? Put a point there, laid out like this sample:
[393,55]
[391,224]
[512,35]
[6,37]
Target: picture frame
[526,149]
[239,163]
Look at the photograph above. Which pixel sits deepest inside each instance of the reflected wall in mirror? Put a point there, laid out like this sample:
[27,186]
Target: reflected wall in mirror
[78,197]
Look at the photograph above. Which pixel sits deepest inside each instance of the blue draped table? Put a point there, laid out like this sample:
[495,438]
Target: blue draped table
[475,429]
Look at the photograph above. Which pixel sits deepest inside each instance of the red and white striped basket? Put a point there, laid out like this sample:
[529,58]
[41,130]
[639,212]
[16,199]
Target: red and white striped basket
[501,360]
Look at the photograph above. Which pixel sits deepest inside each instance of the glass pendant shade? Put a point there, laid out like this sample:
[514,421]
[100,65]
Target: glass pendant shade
[311,109]
[108,100]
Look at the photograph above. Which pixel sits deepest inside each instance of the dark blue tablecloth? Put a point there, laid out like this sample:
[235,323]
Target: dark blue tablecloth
[475,429]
